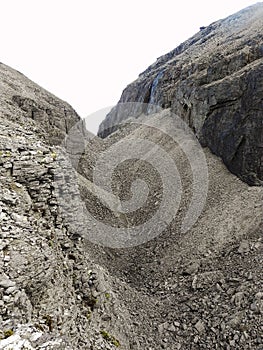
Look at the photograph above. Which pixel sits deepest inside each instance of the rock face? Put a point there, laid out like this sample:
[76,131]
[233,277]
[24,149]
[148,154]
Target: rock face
[214,82]
[59,289]
[49,292]
[24,101]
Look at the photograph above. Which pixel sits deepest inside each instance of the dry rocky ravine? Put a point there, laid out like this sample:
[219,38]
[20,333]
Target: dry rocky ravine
[58,290]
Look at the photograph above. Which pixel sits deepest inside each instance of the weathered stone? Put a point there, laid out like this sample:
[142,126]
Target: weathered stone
[244,247]
[200,326]
[6,283]
[191,268]
[259,295]
[239,299]
[24,101]
[10,290]
[72,294]
[213,81]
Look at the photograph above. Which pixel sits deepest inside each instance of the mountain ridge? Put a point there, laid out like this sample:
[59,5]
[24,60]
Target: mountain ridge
[213,81]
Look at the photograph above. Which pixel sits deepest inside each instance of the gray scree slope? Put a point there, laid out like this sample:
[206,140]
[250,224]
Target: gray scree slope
[214,81]
[58,290]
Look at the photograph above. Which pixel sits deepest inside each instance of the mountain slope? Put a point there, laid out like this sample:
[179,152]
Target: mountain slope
[214,82]
[71,279]
[24,101]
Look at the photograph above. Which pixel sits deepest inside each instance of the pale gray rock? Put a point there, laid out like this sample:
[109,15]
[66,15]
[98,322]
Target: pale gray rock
[59,290]
[27,103]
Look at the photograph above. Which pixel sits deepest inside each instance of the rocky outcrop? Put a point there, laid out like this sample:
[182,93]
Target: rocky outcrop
[213,81]
[50,289]
[58,290]
[63,287]
[28,104]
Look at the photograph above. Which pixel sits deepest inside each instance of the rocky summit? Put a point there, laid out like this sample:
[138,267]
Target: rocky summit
[169,254]
[214,82]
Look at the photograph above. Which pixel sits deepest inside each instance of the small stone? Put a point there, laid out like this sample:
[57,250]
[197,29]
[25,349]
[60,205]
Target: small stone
[236,319]
[258,245]
[162,327]
[191,268]
[238,299]
[6,283]
[8,199]
[3,245]
[6,298]
[196,339]
[176,324]
[171,328]
[246,335]
[236,337]
[253,307]
[232,343]
[6,258]
[200,326]
[10,290]
[18,218]
[244,247]
[259,295]
[194,282]
[250,276]
[259,340]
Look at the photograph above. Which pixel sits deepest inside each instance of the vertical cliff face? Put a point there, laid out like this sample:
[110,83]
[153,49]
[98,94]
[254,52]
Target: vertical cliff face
[214,82]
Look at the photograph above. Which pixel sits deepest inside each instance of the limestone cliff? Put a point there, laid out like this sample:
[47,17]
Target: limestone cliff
[214,82]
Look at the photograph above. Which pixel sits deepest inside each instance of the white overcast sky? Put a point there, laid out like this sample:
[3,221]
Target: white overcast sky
[86,52]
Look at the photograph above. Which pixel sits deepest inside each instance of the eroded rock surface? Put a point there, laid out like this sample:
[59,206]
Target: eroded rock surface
[199,289]
[24,101]
[49,290]
[214,82]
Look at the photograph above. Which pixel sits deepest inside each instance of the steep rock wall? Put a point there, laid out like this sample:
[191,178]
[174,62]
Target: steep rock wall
[214,82]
